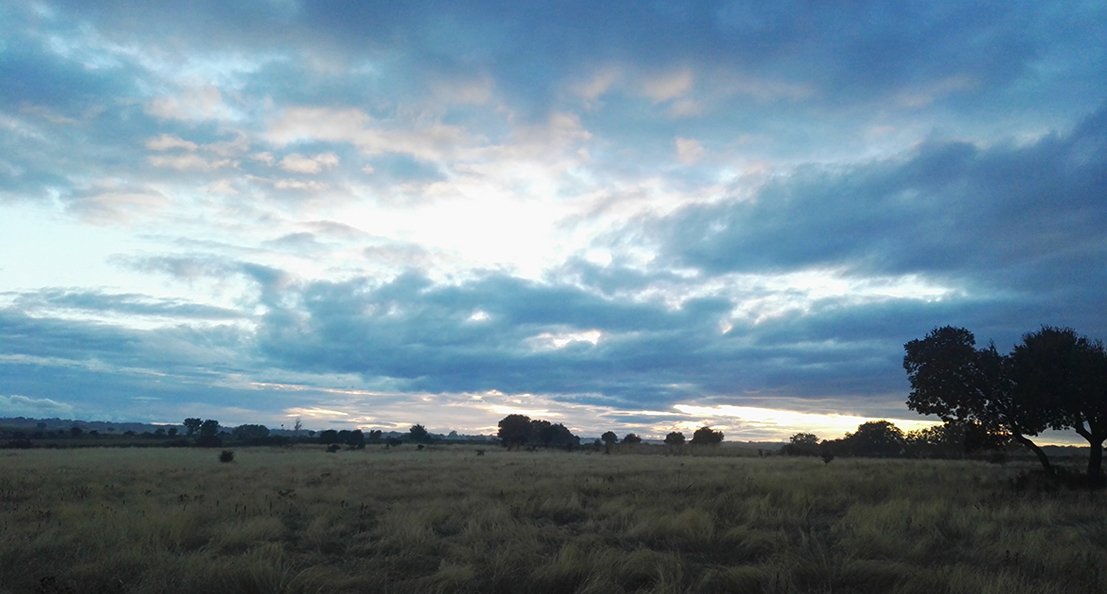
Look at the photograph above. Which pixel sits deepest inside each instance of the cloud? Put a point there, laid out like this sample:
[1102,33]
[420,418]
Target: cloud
[167,142]
[110,204]
[429,141]
[298,163]
[22,406]
[689,150]
[1003,216]
[48,300]
[200,102]
[188,162]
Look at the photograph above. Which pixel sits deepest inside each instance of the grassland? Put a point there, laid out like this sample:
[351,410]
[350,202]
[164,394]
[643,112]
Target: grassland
[446,520]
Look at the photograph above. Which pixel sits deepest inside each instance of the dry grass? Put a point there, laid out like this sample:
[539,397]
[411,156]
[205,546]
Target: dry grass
[446,520]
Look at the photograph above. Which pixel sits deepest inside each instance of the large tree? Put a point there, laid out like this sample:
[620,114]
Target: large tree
[956,381]
[881,439]
[515,430]
[193,425]
[1066,373]
[707,436]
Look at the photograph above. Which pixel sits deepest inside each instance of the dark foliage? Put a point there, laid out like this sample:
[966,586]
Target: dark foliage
[419,434]
[192,425]
[707,436]
[209,428]
[1055,379]
[675,438]
[520,430]
[249,432]
[226,456]
[802,444]
[514,430]
[209,441]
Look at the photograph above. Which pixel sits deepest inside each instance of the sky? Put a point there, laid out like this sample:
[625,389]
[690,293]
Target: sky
[631,216]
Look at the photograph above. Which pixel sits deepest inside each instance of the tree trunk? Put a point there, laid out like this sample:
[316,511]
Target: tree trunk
[1095,463]
[1037,451]
[1095,456]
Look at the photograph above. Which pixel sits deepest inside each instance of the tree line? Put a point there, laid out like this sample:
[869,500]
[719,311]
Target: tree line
[517,431]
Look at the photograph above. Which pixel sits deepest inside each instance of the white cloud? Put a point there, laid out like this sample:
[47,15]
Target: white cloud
[425,141]
[189,162]
[689,150]
[168,141]
[118,205]
[22,406]
[298,163]
[204,102]
[560,340]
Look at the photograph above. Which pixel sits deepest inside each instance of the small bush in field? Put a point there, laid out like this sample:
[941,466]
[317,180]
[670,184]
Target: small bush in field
[226,456]
[334,447]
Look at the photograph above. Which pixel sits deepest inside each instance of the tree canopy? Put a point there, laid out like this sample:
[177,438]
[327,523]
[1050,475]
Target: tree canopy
[1054,379]
[707,436]
[419,434]
[517,430]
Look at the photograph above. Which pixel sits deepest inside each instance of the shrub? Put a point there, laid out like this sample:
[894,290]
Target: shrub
[226,456]
[334,447]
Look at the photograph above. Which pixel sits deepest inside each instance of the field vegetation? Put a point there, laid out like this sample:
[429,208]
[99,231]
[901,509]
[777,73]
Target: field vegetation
[445,519]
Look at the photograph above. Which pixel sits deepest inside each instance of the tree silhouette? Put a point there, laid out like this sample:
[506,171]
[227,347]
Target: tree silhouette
[610,438]
[209,427]
[802,444]
[632,438]
[515,430]
[192,425]
[675,438]
[419,434]
[954,380]
[880,439]
[1065,375]
[250,432]
[707,436]
[209,434]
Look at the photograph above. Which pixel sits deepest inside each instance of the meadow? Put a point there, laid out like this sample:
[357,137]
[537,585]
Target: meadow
[444,519]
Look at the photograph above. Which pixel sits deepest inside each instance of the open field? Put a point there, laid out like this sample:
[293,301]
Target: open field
[446,520]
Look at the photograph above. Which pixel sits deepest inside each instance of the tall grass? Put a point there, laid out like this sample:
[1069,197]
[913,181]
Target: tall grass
[447,520]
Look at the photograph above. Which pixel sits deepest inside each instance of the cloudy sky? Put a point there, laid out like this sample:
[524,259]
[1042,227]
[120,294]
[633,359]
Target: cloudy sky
[639,216]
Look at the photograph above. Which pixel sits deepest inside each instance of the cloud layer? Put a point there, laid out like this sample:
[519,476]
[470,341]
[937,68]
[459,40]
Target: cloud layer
[634,216]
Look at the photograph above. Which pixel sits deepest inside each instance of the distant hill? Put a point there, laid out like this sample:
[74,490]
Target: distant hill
[101,426]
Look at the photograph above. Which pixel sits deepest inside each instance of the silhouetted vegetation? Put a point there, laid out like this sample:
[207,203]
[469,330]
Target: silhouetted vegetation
[707,436]
[519,430]
[802,444]
[419,434]
[1055,379]
[675,438]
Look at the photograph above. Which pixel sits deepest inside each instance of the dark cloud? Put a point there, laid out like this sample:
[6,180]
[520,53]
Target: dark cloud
[1015,218]
[427,337]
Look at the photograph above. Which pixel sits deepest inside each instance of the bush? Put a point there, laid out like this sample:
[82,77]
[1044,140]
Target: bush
[226,456]
[334,447]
